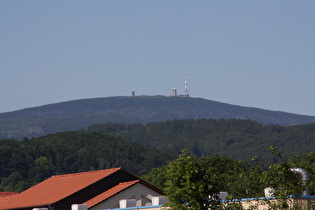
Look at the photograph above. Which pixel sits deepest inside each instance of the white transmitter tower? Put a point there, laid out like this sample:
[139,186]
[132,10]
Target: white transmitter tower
[174,93]
[186,87]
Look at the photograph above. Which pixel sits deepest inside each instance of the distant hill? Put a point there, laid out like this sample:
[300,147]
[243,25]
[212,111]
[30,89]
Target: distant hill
[73,115]
[237,139]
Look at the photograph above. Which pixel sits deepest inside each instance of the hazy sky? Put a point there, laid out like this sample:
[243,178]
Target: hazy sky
[256,53]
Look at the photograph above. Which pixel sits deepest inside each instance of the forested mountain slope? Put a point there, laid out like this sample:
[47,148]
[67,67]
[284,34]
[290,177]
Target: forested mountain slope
[237,139]
[73,115]
[27,162]
[141,147]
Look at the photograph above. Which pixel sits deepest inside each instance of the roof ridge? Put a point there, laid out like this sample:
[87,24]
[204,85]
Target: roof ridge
[87,172]
[128,182]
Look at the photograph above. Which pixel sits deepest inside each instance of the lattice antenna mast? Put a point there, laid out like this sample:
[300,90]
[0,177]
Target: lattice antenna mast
[186,87]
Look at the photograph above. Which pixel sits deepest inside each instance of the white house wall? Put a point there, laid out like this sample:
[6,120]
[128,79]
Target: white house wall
[140,192]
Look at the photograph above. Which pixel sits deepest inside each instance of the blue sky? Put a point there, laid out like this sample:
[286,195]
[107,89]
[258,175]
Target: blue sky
[244,52]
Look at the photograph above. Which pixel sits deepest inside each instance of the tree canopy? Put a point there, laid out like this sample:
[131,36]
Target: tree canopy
[25,163]
[195,183]
[237,139]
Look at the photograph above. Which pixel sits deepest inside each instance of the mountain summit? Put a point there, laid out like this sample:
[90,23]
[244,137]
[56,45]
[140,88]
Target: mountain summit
[73,115]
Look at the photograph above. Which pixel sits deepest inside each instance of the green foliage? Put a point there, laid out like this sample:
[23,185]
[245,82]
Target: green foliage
[156,177]
[25,163]
[190,184]
[275,151]
[283,180]
[219,149]
[9,183]
[42,169]
[195,183]
[307,162]
[237,139]
[245,183]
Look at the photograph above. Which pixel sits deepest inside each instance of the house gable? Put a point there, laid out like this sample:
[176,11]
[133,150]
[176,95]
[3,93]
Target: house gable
[137,190]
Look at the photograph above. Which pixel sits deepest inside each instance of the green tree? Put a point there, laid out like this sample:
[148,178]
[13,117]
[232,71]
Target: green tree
[192,185]
[157,177]
[307,162]
[245,183]
[43,169]
[283,180]
[9,183]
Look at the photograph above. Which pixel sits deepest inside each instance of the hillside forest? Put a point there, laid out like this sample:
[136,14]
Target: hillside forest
[243,152]
[30,161]
[237,139]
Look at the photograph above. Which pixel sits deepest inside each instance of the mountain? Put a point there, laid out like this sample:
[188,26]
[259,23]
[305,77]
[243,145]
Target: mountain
[73,115]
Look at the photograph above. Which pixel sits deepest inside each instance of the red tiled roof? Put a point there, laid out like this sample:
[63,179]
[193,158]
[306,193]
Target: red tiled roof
[109,193]
[54,189]
[2,194]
